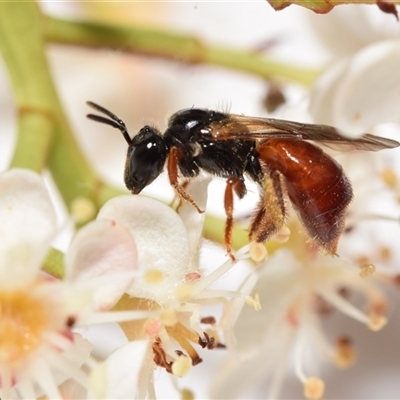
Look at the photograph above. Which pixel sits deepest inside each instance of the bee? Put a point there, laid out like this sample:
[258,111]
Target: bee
[279,156]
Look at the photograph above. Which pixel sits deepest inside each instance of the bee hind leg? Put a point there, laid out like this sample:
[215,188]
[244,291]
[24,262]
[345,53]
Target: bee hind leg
[271,213]
[237,185]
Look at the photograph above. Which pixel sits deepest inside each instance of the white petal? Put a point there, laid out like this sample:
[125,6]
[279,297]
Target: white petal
[118,377]
[324,91]
[27,225]
[369,92]
[103,255]
[192,219]
[277,285]
[161,239]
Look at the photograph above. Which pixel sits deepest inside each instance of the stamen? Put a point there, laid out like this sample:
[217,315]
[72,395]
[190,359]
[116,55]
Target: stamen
[345,355]
[377,317]
[314,388]
[187,394]
[258,252]
[344,306]
[385,253]
[376,322]
[283,235]
[367,270]
[169,317]
[389,177]
[184,292]
[181,335]
[181,366]
[254,301]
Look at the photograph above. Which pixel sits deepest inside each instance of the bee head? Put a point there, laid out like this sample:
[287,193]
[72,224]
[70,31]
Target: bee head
[145,159]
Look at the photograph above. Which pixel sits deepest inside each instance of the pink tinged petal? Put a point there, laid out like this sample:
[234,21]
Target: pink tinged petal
[161,239]
[27,226]
[119,376]
[369,92]
[102,257]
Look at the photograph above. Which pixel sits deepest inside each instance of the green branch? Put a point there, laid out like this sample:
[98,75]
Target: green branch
[44,135]
[173,46]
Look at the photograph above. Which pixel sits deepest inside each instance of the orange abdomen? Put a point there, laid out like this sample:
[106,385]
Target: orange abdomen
[316,184]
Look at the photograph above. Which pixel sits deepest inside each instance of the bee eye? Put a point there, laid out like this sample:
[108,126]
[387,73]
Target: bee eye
[145,159]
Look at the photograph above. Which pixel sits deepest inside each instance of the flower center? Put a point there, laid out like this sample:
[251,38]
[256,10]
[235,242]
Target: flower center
[23,318]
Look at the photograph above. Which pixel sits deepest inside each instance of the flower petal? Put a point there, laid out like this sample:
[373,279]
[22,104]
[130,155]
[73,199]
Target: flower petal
[118,376]
[28,225]
[323,93]
[277,285]
[103,255]
[192,219]
[162,242]
[369,92]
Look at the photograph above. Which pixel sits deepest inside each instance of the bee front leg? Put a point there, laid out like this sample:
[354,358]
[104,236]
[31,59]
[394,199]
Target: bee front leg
[233,184]
[175,155]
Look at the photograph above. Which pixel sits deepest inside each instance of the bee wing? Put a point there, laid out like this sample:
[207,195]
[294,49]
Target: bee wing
[242,127]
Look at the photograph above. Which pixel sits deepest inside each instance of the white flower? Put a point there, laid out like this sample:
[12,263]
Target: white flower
[360,92]
[170,290]
[38,349]
[295,287]
[360,86]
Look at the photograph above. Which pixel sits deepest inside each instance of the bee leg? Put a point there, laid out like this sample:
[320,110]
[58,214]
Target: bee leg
[233,184]
[271,213]
[175,155]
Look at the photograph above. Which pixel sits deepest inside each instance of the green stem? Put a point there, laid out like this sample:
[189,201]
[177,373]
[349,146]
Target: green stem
[173,46]
[44,135]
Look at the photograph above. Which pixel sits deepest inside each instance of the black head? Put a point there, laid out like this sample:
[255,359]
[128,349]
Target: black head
[145,159]
[146,154]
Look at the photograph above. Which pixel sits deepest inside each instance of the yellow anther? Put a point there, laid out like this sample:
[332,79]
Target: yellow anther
[258,252]
[389,176]
[376,322]
[283,235]
[254,301]
[314,388]
[181,366]
[367,270]
[345,355]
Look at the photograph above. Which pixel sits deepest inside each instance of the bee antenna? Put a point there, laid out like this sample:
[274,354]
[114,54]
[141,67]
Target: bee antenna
[112,120]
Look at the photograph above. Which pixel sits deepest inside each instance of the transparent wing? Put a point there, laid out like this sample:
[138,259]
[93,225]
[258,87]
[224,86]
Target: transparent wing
[242,127]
